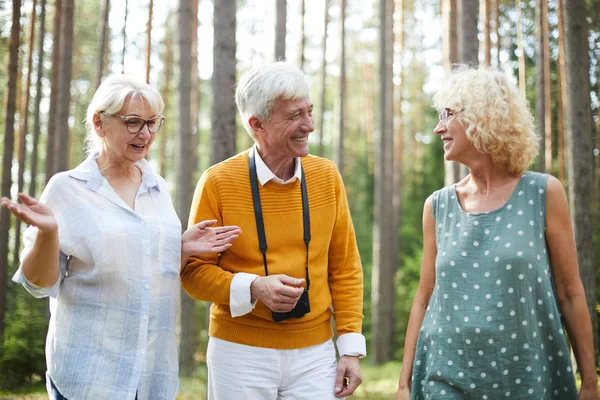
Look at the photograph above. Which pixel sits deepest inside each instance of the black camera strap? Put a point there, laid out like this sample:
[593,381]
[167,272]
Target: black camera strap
[260,226]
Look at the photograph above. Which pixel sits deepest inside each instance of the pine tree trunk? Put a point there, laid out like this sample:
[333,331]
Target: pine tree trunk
[339,159]
[562,93]
[149,39]
[38,100]
[580,169]
[468,44]
[195,94]
[54,92]
[7,159]
[382,292]
[302,34]
[223,135]
[540,98]
[323,81]
[24,131]
[103,40]
[487,32]
[62,138]
[450,57]
[547,94]
[522,71]
[187,347]
[124,34]
[166,91]
[280,29]
[498,41]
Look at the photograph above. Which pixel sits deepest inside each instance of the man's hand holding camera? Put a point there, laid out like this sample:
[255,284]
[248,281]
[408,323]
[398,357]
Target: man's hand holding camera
[279,293]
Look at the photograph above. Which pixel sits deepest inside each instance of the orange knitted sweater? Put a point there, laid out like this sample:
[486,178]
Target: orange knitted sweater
[335,271]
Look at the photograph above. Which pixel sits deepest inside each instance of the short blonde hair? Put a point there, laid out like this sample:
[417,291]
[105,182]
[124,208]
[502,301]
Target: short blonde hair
[495,115]
[109,99]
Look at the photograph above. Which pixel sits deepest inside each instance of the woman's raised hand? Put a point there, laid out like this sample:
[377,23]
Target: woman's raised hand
[32,212]
[202,239]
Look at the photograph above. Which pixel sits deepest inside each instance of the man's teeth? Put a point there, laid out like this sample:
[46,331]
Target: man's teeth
[301,139]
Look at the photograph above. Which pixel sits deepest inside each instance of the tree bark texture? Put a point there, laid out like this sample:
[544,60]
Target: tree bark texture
[339,154]
[103,41]
[54,92]
[540,75]
[7,158]
[468,44]
[322,104]
[382,294]
[280,29]
[580,169]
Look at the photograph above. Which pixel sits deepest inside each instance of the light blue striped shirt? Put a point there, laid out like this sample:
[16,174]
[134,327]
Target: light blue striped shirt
[113,308]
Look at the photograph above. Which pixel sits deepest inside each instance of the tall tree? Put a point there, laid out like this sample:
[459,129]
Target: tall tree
[167,56]
[124,34]
[339,154]
[103,41]
[580,169]
[280,29]
[7,159]
[54,92]
[185,168]
[468,44]
[521,49]
[323,80]
[24,128]
[450,57]
[562,93]
[38,101]
[223,135]
[541,15]
[382,292]
[302,33]
[498,41]
[149,38]
[547,93]
[195,94]
[62,142]
[487,32]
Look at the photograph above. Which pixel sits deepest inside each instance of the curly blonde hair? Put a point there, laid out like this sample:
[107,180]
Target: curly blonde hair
[495,115]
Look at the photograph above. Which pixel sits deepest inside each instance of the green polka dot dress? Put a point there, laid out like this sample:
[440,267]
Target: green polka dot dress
[493,329]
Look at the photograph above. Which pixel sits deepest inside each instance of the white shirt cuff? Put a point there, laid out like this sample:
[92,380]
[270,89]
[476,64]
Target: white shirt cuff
[240,302]
[352,344]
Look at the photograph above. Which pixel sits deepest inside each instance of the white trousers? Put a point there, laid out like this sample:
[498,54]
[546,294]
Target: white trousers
[240,372]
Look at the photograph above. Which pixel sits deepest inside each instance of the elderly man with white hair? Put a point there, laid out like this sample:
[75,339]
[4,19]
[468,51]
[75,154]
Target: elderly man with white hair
[296,264]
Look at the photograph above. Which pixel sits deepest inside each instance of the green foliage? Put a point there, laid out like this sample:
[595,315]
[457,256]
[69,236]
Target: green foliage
[22,358]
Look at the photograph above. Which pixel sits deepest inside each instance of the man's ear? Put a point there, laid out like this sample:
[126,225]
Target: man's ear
[256,124]
[98,123]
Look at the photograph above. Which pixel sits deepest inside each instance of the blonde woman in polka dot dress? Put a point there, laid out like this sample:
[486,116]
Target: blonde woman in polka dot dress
[499,271]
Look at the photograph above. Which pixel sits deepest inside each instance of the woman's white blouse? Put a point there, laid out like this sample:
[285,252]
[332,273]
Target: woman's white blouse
[113,308]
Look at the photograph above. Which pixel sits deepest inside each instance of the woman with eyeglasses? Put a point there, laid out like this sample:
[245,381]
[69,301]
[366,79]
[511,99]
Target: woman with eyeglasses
[499,272]
[105,245]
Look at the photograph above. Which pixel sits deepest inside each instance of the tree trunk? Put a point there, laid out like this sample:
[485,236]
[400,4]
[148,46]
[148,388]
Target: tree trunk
[339,159]
[487,32]
[323,81]
[223,135]
[540,75]
[62,138]
[522,73]
[468,44]
[382,292]
[580,169]
[547,94]
[302,33]
[103,39]
[562,93]
[166,91]
[450,57]
[187,347]
[195,94]
[149,39]
[54,92]
[24,131]
[124,34]
[280,29]
[38,100]
[9,141]
[498,41]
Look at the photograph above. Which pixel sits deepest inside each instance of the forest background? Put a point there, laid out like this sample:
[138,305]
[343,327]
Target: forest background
[373,65]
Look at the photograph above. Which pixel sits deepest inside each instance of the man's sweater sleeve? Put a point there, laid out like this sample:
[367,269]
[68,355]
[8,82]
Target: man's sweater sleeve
[345,269]
[201,277]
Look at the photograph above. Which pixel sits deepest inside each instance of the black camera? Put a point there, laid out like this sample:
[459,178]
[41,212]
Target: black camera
[302,307]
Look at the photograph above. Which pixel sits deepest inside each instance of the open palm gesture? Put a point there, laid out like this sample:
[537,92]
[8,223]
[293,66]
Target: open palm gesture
[202,239]
[32,212]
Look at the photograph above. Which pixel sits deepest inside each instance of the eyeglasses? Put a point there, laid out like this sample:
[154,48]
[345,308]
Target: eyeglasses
[446,114]
[136,124]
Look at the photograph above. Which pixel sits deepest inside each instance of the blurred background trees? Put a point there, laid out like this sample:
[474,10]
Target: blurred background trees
[373,65]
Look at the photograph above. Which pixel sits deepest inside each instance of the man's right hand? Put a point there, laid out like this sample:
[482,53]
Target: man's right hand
[279,293]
